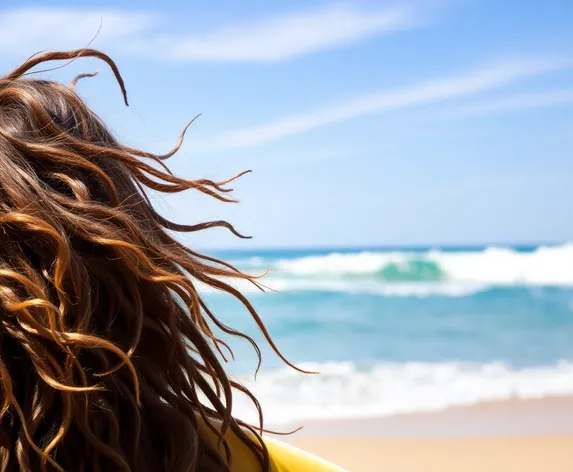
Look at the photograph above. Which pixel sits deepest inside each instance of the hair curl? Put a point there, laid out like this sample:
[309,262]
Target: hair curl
[105,345]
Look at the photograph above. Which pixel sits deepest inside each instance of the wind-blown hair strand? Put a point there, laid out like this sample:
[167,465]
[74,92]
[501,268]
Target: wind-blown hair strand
[106,347]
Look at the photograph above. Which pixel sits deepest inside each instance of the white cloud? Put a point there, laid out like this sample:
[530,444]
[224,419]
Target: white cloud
[525,101]
[428,92]
[29,30]
[281,37]
[274,38]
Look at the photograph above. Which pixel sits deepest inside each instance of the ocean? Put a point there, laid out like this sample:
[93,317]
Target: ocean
[403,330]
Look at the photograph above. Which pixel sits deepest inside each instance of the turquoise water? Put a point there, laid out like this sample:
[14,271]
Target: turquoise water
[400,329]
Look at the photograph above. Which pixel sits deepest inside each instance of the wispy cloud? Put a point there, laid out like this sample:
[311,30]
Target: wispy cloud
[268,39]
[28,30]
[282,37]
[521,102]
[438,90]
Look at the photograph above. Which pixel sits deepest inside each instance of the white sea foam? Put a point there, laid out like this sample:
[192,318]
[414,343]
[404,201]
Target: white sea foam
[371,287]
[543,266]
[344,390]
[365,262]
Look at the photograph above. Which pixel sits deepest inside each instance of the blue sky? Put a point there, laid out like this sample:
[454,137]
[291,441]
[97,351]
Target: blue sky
[366,123]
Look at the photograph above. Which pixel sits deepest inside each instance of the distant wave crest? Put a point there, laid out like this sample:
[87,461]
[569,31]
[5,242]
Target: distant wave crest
[415,273]
[543,266]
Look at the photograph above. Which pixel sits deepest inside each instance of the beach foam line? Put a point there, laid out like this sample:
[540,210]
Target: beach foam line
[347,390]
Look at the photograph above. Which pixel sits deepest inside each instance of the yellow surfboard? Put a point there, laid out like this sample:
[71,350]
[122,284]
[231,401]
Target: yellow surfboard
[284,457]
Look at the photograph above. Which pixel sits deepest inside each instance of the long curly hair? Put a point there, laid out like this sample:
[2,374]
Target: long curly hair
[108,355]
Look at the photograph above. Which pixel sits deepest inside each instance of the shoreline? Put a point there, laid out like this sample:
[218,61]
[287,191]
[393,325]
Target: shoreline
[505,436]
[516,417]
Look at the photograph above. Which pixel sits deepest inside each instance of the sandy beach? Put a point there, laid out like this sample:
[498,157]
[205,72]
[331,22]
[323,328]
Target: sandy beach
[521,436]
[519,454]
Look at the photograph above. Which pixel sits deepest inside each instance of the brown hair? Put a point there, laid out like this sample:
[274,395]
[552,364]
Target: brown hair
[105,345]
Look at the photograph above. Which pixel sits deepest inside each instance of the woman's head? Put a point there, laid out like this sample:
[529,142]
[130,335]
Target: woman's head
[105,345]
